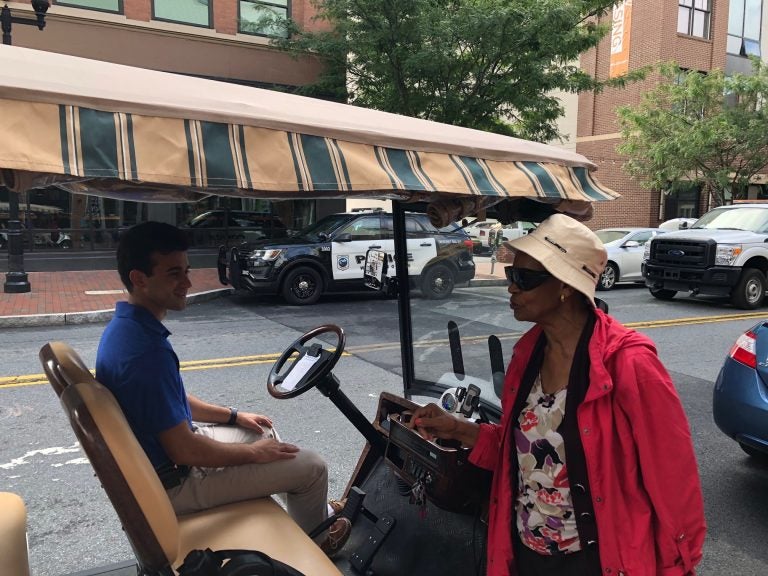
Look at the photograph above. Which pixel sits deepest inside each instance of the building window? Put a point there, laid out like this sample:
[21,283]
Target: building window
[263,17]
[103,5]
[682,200]
[194,12]
[693,17]
[744,22]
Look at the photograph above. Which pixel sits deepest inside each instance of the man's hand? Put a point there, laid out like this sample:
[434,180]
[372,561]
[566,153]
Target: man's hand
[253,421]
[432,422]
[185,447]
[271,450]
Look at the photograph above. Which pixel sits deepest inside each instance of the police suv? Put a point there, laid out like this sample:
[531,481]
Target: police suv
[329,257]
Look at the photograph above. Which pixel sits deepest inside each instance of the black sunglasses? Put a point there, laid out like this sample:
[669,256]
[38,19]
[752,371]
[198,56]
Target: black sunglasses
[526,279]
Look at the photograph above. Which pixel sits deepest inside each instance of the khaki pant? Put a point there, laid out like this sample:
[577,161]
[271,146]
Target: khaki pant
[302,481]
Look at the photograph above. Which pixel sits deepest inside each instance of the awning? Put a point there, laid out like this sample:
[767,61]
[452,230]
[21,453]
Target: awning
[112,130]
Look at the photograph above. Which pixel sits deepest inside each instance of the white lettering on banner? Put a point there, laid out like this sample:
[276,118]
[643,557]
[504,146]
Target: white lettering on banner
[620,37]
[617,31]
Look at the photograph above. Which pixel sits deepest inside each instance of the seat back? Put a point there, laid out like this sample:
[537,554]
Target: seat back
[63,366]
[13,535]
[125,472]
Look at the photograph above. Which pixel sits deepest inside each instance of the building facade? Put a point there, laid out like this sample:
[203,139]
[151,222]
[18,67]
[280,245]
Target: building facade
[225,40]
[700,35]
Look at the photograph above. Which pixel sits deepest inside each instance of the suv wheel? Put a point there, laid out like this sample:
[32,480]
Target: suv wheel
[302,286]
[662,294]
[609,277]
[750,290]
[754,453]
[437,282]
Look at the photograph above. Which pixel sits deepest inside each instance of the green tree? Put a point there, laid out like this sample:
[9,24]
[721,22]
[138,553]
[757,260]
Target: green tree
[711,129]
[486,64]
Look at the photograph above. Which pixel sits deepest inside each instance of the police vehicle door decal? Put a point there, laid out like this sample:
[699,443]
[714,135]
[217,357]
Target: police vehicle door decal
[348,258]
[373,232]
[342,262]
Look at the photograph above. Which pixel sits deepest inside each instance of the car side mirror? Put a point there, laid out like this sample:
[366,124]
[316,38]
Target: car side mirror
[631,244]
[344,237]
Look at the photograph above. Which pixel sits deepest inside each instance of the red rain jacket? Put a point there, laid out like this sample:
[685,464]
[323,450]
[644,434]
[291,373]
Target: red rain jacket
[640,460]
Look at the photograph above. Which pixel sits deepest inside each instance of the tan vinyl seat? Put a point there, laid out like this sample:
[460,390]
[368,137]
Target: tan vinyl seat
[159,538]
[63,366]
[13,535]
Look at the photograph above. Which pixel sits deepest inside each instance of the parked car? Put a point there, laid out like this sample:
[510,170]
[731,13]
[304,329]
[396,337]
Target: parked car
[329,257]
[479,232]
[216,226]
[505,233]
[724,253]
[484,233]
[53,239]
[677,224]
[740,397]
[625,248]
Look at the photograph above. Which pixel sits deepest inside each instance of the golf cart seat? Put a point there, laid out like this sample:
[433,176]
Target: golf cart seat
[160,540]
[63,366]
[13,535]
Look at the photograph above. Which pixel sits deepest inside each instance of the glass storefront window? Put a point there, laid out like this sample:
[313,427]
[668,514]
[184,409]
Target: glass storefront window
[104,5]
[54,218]
[259,17]
[194,12]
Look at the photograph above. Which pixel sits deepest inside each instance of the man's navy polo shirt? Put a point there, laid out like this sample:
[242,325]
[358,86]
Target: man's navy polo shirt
[138,364]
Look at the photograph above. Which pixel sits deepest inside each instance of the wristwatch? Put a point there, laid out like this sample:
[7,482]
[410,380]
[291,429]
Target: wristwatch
[232,416]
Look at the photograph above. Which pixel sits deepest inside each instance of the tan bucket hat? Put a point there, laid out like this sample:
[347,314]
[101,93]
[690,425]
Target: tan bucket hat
[568,250]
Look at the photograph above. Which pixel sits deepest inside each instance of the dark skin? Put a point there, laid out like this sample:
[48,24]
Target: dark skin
[560,311]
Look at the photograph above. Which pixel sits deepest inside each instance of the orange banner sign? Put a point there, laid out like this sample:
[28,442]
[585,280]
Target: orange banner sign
[620,31]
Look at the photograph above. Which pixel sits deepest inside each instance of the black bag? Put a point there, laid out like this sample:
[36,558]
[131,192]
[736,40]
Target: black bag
[233,563]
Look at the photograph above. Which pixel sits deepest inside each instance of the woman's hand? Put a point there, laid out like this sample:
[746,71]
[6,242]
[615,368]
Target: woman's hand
[432,422]
[253,421]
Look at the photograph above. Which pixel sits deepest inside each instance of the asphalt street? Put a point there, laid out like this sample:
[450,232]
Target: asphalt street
[227,347]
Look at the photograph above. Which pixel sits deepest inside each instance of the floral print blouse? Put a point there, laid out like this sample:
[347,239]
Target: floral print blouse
[545,516]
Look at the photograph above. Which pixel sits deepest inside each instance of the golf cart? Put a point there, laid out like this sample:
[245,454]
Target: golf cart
[417,507]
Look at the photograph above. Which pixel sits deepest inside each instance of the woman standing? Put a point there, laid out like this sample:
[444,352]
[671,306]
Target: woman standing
[594,468]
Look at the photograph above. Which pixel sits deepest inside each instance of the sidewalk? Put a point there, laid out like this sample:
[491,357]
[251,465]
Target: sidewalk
[89,296]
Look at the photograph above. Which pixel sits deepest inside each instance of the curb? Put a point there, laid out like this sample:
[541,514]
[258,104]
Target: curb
[71,318]
[487,282]
[95,316]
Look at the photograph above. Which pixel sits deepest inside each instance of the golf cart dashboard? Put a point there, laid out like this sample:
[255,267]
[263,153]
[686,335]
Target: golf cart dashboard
[441,468]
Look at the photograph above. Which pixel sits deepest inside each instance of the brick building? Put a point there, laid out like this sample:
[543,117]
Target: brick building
[699,35]
[218,39]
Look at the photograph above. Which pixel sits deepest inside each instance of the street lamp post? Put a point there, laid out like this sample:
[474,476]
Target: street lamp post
[16,281]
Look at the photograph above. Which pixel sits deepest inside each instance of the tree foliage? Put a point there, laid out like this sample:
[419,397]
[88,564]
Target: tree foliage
[707,128]
[486,64]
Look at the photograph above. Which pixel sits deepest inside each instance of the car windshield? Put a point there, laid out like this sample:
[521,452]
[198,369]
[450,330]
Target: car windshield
[325,226]
[452,229]
[607,236]
[207,219]
[753,219]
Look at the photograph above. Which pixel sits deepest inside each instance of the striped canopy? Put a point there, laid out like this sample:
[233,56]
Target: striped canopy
[135,134]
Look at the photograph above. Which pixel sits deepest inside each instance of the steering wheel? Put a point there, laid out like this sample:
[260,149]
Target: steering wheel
[312,364]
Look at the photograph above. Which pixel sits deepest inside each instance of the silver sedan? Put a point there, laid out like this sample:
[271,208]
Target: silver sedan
[625,248]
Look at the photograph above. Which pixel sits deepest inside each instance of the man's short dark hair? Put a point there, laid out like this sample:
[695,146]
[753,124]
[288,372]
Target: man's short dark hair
[134,252]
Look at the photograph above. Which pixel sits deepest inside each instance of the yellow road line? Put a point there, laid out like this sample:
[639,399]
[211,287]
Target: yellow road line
[237,361]
[697,320]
